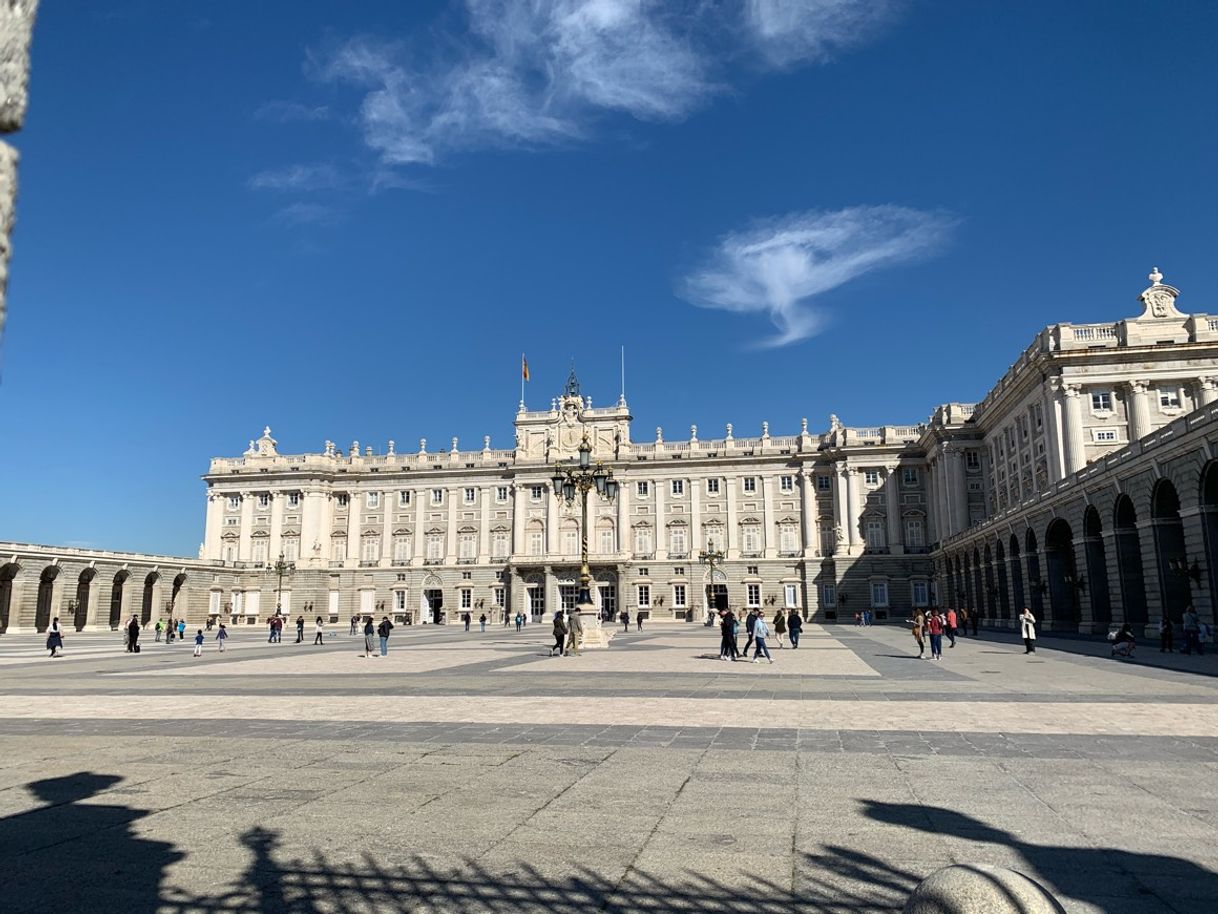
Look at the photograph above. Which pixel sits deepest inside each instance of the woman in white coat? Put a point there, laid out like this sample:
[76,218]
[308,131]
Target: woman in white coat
[1027,627]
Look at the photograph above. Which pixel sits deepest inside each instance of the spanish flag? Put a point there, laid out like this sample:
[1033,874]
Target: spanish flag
[524,367]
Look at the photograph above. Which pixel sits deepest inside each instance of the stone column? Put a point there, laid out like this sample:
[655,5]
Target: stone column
[1139,409]
[1150,576]
[552,543]
[354,507]
[841,512]
[854,508]
[389,505]
[247,526]
[484,525]
[695,520]
[518,513]
[420,529]
[960,488]
[623,526]
[1053,449]
[892,493]
[453,495]
[807,512]
[276,541]
[311,529]
[1207,390]
[213,527]
[661,540]
[1076,447]
[932,522]
[769,537]
[1193,518]
[731,534]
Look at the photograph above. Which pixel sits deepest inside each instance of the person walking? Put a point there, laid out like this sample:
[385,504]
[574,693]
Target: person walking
[962,628]
[133,635]
[54,638]
[171,628]
[975,618]
[560,633]
[780,626]
[795,625]
[382,632]
[221,637]
[465,617]
[625,620]
[354,623]
[181,629]
[935,626]
[519,621]
[369,631]
[1027,629]
[950,628]
[159,629]
[482,622]
[750,623]
[1192,631]
[917,624]
[638,620]
[760,630]
[199,643]
[319,631]
[300,629]
[727,629]
[575,631]
[1166,635]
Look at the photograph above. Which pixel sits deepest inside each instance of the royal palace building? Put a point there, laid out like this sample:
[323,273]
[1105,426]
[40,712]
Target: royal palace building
[1083,485]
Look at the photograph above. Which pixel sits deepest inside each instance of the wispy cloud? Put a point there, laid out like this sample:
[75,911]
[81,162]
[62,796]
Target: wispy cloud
[285,112]
[305,213]
[320,176]
[778,266]
[539,72]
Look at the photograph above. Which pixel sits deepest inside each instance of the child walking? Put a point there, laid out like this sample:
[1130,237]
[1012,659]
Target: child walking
[221,637]
[199,643]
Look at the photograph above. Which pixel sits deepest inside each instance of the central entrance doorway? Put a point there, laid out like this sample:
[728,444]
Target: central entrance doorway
[435,605]
[608,595]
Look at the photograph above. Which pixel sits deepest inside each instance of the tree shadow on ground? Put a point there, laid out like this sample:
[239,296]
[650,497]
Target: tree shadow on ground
[1108,878]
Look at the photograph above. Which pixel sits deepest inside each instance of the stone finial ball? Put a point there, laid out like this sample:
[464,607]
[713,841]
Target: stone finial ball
[980,889]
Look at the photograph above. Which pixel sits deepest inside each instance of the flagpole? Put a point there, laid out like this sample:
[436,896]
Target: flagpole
[522,380]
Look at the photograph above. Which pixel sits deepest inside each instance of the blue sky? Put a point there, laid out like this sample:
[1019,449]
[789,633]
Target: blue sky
[349,220]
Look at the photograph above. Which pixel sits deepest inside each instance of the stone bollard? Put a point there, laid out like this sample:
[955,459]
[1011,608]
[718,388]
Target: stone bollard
[980,889]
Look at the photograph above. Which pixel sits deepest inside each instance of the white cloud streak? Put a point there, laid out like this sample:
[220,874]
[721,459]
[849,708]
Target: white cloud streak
[304,213]
[777,267]
[320,176]
[287,112]
[529,73]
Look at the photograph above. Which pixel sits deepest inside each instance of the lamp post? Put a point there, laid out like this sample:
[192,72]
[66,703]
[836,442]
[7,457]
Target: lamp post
[711,557]
[281,568]
[576,480]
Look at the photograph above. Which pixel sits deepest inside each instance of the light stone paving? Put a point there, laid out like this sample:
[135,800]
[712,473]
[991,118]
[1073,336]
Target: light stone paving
[465,773]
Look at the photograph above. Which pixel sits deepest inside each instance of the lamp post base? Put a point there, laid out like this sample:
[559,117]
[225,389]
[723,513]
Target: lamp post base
[595,634]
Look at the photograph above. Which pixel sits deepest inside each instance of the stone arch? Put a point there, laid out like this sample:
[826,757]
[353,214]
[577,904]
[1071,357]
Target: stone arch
[179,581]
[1063,576]
[46,595]
[1017,588]
[116,598]
[1170,558]
[1209,519]
[605,525]
[8,573]
[149,594]
[1129,560]
[84,593]
[1004,592]
[1036,586]
[1097,568]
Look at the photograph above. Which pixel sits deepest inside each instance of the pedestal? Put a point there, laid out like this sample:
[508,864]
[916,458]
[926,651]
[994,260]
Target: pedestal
[595,634]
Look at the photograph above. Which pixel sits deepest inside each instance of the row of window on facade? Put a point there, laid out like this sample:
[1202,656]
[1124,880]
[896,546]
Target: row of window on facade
[643,489]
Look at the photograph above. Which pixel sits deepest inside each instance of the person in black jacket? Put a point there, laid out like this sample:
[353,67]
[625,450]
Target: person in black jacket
[750,623]
[382,632]
[368,633]
[795,624]
[560,633]
[133,634]
[299,629]
[727,628]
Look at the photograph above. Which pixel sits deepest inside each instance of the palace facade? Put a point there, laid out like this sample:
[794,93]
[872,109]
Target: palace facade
[960,509]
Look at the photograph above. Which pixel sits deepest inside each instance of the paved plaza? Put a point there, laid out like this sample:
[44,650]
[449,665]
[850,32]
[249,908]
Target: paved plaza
[471,772]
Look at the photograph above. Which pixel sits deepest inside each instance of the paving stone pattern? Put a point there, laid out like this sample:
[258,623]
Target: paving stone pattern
[265,779]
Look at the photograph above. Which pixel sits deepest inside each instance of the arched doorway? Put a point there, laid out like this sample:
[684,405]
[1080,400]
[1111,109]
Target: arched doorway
[1004,593]
[1174,586]
[84,590]
[1017,576]
[116,599]
[1097,569]
[978,589]
[7,573]
[1209,518]
[146,600]
[1035,585]
[991,589]
[949,575]
[174,609]
[1129,561]
[46,593]
[1063,578]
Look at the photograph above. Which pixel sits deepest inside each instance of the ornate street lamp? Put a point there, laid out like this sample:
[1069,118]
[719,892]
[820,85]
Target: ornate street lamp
[711,557]
[1182,569]
[572,481]
[281,568]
